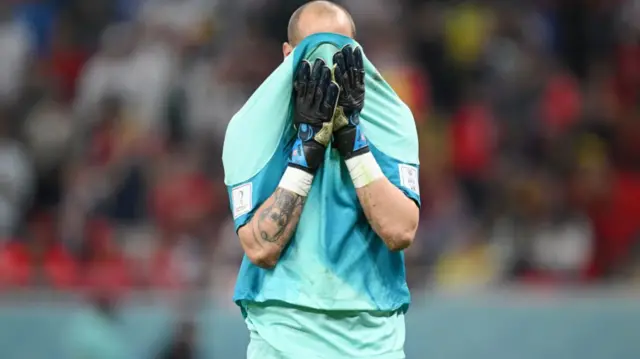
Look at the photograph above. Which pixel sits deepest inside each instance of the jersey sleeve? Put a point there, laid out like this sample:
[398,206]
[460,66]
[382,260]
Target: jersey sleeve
[403,175]
[246,197]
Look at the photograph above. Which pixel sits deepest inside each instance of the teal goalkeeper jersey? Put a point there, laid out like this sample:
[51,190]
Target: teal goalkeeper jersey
[287,332]
[334,261]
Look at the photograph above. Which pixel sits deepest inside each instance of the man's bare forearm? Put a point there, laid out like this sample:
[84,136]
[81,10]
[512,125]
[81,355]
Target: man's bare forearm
[271,228]
[277,218]
[392,215]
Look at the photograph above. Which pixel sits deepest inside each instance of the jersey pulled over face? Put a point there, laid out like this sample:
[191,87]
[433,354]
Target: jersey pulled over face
[335,261]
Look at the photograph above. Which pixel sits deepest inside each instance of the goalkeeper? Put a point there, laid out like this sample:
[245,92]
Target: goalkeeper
[324,277]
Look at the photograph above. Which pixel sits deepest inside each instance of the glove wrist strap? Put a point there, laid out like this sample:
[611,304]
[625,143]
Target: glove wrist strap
[363,169]
[297,181]
[348,137]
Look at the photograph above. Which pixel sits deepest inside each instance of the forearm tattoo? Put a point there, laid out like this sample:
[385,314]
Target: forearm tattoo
[277,221]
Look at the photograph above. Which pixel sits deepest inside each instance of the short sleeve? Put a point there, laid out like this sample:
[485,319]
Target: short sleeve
[403,175]
[247,196]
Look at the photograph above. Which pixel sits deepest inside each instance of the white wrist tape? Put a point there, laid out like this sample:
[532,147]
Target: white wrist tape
[363,169]
[296,181]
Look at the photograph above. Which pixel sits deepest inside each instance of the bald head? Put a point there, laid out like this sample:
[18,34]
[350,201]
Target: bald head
[319,16]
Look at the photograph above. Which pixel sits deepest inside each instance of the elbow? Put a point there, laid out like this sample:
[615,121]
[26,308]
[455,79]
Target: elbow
[261,255]
[398,238]
[263,258]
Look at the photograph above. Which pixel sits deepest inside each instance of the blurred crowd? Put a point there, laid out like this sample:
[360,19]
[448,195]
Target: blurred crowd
[113,113]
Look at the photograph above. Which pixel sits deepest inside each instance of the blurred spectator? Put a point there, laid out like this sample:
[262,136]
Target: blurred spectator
[67,58]
[181,203]
[541,239]
[466,31]
[185,19]
[473,138]
[16,45]
[102,258]
[388,50]
[40,18]
[212,99]
[106,73]
[112,162]
[134,65]
[616,222]
[561,104]
[48,133]
[16,179]
[40,259]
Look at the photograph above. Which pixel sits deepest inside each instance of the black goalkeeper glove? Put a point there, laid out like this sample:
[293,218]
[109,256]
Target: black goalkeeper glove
[349,74]
[316,98]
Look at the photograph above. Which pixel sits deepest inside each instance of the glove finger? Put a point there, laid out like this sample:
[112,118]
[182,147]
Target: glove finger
[341,68]
[304,72]
[358,59]
[331,99]
[325,76]
[318,66]
[302,83]
[359,66]
[323,85]
[316,72]
[349,60]
[302,78]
